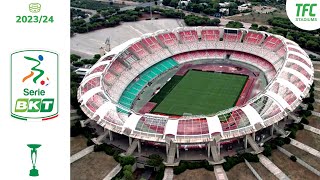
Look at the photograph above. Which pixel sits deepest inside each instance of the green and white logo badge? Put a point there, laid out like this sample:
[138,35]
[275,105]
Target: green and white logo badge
[34,85]
[305,14]
[34,7]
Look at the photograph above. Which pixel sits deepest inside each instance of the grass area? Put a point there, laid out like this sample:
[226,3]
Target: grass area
[200,92]
[258,18]
[166,89]
[196,174]
[292,169]
[77,144]
[245,172]
[94,166]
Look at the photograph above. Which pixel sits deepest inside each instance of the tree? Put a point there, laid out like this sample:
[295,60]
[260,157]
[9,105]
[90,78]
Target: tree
[263,28]
[78,64]
[234,24]
[127,172]
[254,26]
[166,2]
[127,160]
[214,22]
[154,160]
[311,44]
[293,158]
[74,57]
[97,56]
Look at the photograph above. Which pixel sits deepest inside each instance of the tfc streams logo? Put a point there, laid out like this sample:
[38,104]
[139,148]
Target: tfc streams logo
[34,85]
[304,14]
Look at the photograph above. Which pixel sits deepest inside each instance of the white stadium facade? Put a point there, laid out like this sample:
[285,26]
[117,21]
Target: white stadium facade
[287,69]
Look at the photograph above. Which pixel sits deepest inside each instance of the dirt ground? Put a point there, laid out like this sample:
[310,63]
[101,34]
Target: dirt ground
[316,106]
[240,172]
[258,18]
[317,74]
[309,138]
[262,171]
[317,83]
[316,66]
[304,156]
[77,144]
[94,166]
[292,169]
[196,174]
[314,121]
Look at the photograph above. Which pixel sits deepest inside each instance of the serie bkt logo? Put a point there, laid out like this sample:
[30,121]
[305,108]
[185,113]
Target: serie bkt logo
[34,85]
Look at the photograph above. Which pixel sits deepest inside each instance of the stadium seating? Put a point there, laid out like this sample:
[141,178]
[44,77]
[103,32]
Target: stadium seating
[210,35]
[117,67]
[138,50]
[192,127]
[151,124]
[98,69]
[134,88]
[253,38]
[108,58]
[92,83]
[232,37]
[271,43]
[188,36]
[152,44]
[292,56]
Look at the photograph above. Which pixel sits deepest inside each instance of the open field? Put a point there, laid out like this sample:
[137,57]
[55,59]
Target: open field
[88,44]
[309,138]
[303,155]
[94,166]
[77,144]
[314,121]
[202,93]
[292,169]
[241,172]
[196,174]
[258,18]
[316,66]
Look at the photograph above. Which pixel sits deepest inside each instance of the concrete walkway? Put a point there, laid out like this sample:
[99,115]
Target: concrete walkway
[113,172]
[254,172]
[272,167]
[219,172]
[315,113]
[316,79]
[81,154]
[305,148]
[168,173]
[312,129]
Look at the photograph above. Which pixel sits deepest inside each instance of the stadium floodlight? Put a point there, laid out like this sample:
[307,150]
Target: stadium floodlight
[34,147]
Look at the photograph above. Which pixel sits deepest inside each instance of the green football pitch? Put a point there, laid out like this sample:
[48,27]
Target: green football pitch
[199,93]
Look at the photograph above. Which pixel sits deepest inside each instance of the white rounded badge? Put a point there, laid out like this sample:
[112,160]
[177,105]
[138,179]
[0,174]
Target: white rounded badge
[305,14]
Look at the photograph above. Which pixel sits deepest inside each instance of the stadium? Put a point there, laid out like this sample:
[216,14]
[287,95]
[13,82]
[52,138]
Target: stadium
[196,87]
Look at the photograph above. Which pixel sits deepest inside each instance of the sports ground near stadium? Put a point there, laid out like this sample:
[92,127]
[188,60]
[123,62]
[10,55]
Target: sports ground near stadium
[215,92]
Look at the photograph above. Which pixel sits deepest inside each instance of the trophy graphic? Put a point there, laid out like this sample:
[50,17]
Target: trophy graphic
[34,147]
